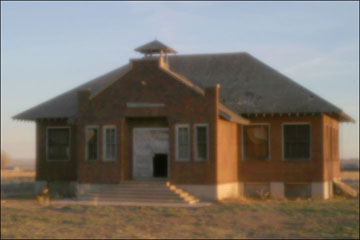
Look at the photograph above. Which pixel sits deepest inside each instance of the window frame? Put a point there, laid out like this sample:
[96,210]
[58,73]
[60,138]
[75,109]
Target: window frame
[86,143]
[243,142]
[177,152]
[196,158]
[283,142]
[105,127]
[47,144]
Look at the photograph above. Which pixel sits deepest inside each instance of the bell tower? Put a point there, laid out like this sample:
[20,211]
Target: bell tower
[157,48]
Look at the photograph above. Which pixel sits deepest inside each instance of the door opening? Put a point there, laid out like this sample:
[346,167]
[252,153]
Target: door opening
[160,164]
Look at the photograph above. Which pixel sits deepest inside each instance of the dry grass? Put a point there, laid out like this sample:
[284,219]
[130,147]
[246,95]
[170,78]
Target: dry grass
[351,178]
[337,218]
[17,175]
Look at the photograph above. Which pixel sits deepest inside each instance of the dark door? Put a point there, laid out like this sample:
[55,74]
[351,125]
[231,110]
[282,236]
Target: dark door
[160,165]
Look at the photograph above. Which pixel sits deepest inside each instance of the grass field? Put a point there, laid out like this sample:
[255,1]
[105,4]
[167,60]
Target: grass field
[336,218]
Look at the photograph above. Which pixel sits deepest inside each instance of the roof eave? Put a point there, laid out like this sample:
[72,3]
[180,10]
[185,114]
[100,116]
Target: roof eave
[231,116]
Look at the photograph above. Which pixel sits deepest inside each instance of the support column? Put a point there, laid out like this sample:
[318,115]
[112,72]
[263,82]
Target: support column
[277,190]
[320,190]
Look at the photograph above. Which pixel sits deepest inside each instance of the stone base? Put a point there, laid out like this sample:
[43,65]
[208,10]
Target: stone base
[62,189]
[39,186]
[321,190]
[212,192]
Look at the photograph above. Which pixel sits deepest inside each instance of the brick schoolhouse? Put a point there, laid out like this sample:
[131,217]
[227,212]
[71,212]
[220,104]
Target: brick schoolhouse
[215,125]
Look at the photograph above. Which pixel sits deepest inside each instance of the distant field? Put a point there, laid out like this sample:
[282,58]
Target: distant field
[336,218]
[351,178]
[17,175]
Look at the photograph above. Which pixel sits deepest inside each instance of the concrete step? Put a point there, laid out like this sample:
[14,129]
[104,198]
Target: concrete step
[133,191]
[115,193]
[163,200]
[149,189]
[132,196]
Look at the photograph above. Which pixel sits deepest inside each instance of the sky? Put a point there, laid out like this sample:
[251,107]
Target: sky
[50,47]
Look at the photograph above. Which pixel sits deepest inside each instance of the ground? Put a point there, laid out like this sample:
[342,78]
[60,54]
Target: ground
[335,218]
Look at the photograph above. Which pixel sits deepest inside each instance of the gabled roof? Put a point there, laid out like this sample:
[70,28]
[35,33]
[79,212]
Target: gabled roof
[154,47]
[247,86]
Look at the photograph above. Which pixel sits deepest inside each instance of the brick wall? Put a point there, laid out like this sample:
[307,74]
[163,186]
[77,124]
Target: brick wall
[227,144]
[275,168]
[146,82]
[54,170]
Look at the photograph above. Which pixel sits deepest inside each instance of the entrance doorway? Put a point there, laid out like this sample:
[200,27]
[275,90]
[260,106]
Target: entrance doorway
[150,153]
[160,165]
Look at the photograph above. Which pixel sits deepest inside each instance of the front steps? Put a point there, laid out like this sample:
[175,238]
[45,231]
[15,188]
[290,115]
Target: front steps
[156,192]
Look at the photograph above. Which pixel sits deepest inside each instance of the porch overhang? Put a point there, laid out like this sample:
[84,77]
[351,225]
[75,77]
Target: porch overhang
[229,115]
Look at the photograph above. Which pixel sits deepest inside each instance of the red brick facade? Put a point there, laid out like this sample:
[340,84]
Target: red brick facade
[149,83]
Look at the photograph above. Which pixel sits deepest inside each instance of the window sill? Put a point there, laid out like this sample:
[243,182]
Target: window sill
[109,161]
[256,160]
[60,160]
[297,160]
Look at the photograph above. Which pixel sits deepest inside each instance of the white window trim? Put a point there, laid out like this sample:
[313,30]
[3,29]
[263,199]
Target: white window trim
[177,126]
[196,158]
[283,142]
[86,144]
[47,146]
[104,143]
[243,142]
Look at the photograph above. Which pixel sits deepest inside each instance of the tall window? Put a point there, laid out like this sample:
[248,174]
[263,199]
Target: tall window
[182,142]
[92,143]
[109,142]
[201,142]
[296,142]
[256,142]
[58,144]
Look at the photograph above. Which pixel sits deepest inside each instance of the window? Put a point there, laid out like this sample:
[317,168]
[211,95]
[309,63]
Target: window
[256,142]
[109,142]
[201,142]
[182,142]
[296,141]
[92,143]
[58,144]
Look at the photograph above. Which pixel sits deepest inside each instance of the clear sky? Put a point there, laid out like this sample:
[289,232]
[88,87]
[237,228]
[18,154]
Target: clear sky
[50,47]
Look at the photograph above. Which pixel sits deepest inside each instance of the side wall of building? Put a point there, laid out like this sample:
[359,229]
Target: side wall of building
[54,170]
[227,159]
[276,169]
[331,148]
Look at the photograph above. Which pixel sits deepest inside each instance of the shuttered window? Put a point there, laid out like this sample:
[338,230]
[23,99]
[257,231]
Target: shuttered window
[201,142]
[256,142]
[296,142]
[92,140]
[109,142]
[58,144]
[182,142]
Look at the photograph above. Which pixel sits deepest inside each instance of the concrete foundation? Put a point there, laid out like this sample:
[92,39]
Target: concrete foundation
[203,192]
[227,190]
[62,189]
[82,188]
[320,190]
[39,186]
[277,190]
